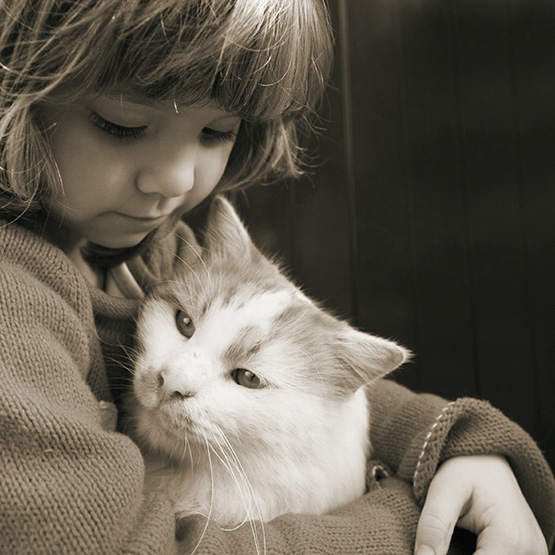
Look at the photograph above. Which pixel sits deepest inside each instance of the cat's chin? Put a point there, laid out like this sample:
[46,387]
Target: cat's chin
[156,433]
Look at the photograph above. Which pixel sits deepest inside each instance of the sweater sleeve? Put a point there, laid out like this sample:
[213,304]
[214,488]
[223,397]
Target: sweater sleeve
[69,483]
[381,522]
[414,433]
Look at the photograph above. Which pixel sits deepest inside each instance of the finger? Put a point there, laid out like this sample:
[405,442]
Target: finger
[433,533]
[439,516]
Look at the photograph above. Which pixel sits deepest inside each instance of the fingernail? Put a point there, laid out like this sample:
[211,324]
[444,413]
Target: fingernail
[425,550]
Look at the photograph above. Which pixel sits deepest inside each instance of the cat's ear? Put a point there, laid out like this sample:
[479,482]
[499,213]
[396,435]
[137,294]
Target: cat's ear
[225,233]
[364,358]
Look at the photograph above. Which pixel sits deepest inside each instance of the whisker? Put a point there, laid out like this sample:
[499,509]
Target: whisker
[207,444]
[201,260]
[194,249]
[233,458]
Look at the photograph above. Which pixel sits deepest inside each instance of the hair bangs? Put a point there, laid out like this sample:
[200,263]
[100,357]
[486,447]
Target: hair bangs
[263,60]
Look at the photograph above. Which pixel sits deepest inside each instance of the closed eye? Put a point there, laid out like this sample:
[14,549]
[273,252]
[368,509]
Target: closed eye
[213,135]
[116,130]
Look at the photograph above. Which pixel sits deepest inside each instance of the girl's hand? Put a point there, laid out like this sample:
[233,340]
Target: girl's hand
[482,495]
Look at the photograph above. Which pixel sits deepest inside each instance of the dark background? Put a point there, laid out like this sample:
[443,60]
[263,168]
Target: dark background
[430,217]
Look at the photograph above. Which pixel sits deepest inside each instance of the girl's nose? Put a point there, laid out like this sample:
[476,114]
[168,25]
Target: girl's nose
[170,174]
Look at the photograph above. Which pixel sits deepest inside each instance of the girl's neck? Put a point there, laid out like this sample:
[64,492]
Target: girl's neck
[94,275]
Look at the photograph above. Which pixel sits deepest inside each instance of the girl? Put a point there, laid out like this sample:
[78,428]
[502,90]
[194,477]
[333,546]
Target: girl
[116,118]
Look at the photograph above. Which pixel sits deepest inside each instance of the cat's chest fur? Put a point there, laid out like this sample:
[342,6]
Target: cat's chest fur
[249,400]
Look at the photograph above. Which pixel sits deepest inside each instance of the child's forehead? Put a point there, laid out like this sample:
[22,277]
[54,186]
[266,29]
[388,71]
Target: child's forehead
[125,97]
[126,94]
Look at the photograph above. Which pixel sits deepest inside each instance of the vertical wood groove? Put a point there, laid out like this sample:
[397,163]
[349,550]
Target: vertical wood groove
[347,113]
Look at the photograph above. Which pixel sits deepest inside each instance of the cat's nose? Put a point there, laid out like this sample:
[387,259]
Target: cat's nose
[172,387]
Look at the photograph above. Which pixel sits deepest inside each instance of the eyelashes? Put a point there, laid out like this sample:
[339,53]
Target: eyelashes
[208,134]
[222,136]
[118,131]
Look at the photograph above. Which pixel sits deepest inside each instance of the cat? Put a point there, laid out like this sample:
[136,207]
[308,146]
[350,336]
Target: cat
[248,398]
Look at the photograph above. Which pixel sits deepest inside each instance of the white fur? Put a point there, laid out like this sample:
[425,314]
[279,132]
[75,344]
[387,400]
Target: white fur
[296,453]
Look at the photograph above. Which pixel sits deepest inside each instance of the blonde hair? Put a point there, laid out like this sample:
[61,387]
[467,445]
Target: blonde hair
[266,60]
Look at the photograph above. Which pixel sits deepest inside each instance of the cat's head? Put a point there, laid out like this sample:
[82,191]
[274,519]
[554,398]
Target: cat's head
[232,336]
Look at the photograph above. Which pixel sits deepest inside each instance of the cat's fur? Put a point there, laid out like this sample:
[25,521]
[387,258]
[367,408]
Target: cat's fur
[299,443]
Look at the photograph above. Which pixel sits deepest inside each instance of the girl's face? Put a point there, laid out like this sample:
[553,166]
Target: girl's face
[127,163]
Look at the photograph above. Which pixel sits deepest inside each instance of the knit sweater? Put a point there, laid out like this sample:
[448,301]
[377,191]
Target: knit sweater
[70,483]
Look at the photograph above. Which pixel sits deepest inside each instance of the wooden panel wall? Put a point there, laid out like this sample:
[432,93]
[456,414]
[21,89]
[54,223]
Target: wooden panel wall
[430,217]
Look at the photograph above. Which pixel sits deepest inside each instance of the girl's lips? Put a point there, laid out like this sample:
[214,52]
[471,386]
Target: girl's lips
[148,218]
[142,221]
[145,218]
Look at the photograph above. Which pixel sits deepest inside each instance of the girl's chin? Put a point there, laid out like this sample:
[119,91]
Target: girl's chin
[121,242]
[100,252]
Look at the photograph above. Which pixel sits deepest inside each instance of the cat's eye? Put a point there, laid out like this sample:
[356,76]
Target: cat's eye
[184,324]
[246,378]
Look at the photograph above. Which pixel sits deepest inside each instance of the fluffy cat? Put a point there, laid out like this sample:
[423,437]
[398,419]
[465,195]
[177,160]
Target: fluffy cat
[248,399]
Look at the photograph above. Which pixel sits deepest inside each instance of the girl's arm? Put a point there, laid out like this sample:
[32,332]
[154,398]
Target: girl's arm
[68,482]
[415,434]
[381,522]
[481,494]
